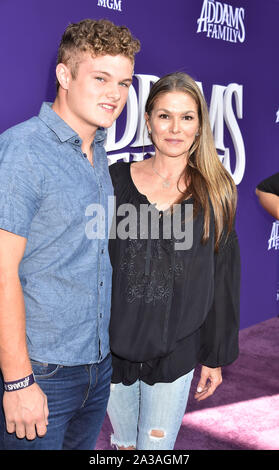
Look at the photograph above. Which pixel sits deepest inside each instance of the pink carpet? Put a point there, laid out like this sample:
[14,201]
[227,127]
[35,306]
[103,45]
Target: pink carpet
[244,411]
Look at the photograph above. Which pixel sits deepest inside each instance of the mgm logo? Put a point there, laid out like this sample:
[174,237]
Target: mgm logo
[111,4]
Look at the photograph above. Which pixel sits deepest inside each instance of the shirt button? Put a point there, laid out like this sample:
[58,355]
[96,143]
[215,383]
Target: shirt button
[101,283]
[76,141]
[102,251]
[101,315]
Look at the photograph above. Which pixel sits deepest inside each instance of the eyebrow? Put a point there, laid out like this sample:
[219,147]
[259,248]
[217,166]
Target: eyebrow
[109,75]
[168,111]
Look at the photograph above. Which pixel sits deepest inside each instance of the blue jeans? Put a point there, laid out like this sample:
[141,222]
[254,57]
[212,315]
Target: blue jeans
[138,409]
[77,401]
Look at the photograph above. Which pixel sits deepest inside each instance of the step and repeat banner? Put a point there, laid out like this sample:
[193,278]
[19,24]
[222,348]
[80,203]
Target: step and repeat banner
[229,47]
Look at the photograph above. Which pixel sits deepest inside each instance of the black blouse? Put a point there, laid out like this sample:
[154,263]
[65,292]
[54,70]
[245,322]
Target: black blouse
[171,309]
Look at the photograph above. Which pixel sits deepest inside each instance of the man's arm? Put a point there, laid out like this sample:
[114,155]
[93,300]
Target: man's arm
[25,410]
[270,202]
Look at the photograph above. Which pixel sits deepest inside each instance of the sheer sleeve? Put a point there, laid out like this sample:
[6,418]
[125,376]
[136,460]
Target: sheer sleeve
[219,333]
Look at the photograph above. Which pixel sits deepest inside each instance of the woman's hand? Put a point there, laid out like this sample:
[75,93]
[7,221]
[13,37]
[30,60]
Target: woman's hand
[209,381]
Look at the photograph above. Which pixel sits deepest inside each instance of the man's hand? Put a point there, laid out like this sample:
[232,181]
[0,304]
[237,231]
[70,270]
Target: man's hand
[26,412]
[209,381]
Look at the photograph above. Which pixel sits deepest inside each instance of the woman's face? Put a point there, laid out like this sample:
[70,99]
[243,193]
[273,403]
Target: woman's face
[173,124]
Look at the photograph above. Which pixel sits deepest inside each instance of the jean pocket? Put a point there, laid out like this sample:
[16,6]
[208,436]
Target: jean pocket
[43,370]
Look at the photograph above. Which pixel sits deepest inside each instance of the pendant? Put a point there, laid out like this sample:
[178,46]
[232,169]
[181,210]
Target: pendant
[166,184]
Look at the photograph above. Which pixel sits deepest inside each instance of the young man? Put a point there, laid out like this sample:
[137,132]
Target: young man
[55,281]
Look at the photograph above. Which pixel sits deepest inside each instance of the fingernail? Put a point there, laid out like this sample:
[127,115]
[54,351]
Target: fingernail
[199,389]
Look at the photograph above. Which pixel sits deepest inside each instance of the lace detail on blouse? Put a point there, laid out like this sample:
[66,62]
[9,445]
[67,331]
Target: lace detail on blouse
[157,285]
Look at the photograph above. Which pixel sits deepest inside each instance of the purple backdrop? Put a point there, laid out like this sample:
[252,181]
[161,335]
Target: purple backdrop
[230,48]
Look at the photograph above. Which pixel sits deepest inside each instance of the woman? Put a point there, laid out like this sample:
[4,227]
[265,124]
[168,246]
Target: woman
[172,308]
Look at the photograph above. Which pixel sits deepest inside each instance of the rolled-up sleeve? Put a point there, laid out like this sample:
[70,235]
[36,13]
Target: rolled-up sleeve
[20,190]
[219,333]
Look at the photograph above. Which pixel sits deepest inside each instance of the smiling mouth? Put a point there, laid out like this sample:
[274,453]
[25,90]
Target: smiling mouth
[174,141]
[107,107]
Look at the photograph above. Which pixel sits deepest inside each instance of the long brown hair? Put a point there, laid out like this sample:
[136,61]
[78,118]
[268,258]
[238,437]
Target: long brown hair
[205,177]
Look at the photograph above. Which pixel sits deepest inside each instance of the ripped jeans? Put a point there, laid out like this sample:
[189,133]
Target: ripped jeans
[148,417]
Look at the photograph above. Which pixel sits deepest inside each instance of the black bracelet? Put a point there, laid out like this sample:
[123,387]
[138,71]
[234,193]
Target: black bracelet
[19,384]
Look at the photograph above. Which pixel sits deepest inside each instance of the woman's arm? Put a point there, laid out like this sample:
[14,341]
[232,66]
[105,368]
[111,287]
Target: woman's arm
[219,333]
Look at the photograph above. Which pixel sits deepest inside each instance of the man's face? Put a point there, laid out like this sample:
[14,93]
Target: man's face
[97,95]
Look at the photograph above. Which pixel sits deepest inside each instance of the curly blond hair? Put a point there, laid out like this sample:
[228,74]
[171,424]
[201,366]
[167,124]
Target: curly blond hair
[99,37]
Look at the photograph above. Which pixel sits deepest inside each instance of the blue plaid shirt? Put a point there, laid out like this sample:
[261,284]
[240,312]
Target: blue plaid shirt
[47,188]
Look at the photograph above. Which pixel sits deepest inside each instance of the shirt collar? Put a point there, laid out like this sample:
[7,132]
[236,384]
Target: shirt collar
[63,131]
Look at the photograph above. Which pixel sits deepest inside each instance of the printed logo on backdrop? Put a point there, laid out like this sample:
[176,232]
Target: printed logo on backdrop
[273,241]
[277,116]
[218,20]
[110,4]
[225,109]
